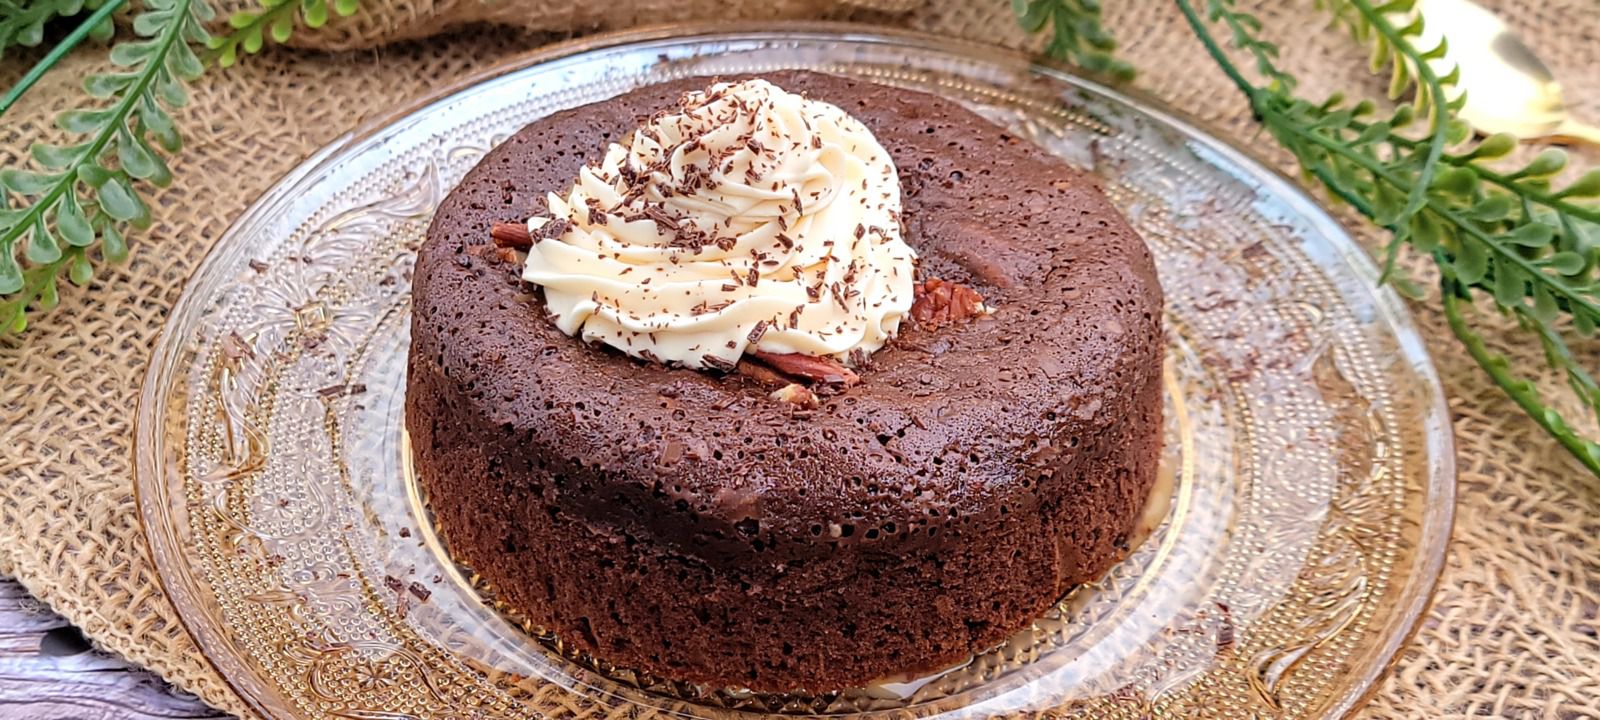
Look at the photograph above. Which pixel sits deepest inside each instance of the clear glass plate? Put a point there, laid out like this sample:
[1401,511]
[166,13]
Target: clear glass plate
[1308,442]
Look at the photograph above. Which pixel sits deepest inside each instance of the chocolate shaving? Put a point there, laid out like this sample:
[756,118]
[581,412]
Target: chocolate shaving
[421,592]
[942,302]
[1225,631]
[718,363]
[811,367]
[658,214]
[234,347]
[333,391]
[757,331]
[839,296]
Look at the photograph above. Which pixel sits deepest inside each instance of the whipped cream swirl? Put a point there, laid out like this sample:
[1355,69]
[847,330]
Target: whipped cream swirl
[748,218]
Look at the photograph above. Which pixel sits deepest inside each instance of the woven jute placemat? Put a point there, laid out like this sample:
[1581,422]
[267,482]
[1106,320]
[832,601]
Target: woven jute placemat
[1513,629]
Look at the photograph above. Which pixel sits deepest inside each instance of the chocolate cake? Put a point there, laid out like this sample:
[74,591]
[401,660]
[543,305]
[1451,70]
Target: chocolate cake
[691,523]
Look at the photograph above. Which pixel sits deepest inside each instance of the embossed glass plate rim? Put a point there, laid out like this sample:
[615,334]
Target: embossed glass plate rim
[156,517]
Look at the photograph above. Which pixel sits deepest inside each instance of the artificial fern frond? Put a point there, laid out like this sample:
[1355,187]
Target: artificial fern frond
[1508,234]
[1409,70]
[276,19]
[1244,29]
[87,186]
[1076,34]
[1522,391]
[22,22]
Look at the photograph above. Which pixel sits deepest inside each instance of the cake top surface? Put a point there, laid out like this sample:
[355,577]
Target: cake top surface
[744,218]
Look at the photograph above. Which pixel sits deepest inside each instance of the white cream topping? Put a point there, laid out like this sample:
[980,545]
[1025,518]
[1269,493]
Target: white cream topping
[748,218]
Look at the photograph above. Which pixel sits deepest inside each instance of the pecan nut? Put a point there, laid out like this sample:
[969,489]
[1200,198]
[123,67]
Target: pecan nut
[941,302]
[517,236]
[797,395]
[762,375]
[511,235]
[811,367]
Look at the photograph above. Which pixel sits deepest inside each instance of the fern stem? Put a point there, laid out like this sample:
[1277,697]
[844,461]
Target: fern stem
[1266,62]
[1504,181]
[1560,354]
[1361,204]
[170,34]
[1498,370]
[59,51]
[1214,49]
[1531,193]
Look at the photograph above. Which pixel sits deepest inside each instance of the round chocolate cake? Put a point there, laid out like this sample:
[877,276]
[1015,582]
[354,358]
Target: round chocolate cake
[757,521]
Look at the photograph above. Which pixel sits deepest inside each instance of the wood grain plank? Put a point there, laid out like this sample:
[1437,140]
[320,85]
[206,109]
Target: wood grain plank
[49,672]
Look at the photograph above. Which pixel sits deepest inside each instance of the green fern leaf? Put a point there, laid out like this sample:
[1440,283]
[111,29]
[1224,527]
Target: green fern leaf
[42,246]
[73,224]
[27,182]
[276,19]
[1076,34]
[10,275]
[119,202]
[79,271]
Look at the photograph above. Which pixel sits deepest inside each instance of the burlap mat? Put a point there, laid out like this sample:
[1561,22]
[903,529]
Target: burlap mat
[1512,632]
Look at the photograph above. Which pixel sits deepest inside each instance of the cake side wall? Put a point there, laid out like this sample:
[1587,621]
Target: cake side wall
[646,607]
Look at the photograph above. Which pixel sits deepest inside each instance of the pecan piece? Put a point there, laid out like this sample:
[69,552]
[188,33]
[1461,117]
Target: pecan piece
[762,375]
[810,367]
[941,302]
[511,235]
[493,254]
[797,395]
[517,236]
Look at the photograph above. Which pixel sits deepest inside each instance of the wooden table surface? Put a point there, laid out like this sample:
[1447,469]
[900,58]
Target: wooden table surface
[49,672]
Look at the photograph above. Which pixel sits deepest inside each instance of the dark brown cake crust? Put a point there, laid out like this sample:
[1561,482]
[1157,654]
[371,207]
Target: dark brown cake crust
[684,524]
